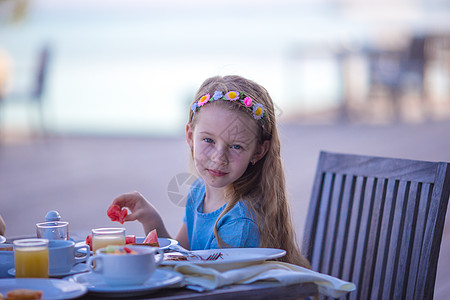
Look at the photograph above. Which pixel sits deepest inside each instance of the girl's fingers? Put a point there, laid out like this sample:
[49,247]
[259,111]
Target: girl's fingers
[129,218]
[127,200]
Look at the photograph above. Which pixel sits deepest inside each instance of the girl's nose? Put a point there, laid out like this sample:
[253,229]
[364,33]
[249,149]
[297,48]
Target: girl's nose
[219,156]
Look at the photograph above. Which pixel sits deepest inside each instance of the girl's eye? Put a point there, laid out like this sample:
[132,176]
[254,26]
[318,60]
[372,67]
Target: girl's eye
[208,140]
[237,147]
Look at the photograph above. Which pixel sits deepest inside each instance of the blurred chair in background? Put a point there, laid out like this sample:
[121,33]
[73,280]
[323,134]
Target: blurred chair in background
[40,83]
[5,78]
[34,97]
[398,72]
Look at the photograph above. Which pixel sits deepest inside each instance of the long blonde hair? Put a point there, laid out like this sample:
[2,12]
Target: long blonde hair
[262,184]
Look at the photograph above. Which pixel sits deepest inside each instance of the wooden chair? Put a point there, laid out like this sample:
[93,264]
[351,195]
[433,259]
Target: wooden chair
[378,223]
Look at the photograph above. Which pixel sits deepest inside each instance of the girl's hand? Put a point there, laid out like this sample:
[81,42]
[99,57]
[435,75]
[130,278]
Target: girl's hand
[136,203]
[142,211]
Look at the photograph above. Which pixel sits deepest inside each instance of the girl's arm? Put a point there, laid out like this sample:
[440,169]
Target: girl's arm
[182,237]
[142,211]
[2,226]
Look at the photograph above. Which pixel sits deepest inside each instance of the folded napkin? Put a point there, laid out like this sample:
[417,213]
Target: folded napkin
[209,279]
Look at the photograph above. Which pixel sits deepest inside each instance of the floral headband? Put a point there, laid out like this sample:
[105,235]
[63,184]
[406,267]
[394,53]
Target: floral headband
[257,108]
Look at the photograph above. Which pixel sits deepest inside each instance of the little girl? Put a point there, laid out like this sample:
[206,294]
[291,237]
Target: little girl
[239,199]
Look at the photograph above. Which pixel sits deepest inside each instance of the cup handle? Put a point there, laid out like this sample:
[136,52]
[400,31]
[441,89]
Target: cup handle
[82,258]
[161,256]
[94,260]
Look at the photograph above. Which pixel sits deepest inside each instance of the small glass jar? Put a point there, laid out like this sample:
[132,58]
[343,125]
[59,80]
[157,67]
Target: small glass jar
[103,237]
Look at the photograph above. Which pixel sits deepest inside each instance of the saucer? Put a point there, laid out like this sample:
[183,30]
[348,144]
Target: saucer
[51,288]
[78,268]
[96,285]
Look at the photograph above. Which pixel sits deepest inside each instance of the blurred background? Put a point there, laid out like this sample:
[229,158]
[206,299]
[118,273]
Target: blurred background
[110,67]
[94,95]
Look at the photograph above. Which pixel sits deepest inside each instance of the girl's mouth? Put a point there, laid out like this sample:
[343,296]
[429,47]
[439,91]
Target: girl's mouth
[216,173]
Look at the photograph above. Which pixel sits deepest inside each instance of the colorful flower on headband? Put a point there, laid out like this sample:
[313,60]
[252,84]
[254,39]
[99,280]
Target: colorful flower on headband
[247,101]
[232,95]
[204,99]
[258,111]
[217,95]
[194,107]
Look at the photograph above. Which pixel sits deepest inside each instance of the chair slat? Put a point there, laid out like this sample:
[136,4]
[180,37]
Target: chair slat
[331,229]
[354,228]
[407,238]
[418,239]
[372,244]
[344,217]
[383,239]
[367,194]
[313,216]
[396,230]
[322,221]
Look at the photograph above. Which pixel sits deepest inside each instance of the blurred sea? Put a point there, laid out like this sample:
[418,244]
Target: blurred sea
[132,68]
[135,70]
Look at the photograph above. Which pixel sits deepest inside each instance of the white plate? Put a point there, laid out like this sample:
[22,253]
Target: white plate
[2,239]
[164,243]
[78,268]
[51,288]
[96,285]
[232,257]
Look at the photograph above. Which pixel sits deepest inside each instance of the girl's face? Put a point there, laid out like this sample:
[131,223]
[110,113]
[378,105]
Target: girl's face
[224,144]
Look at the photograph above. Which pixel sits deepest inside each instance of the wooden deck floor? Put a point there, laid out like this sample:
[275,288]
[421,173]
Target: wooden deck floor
[80,176]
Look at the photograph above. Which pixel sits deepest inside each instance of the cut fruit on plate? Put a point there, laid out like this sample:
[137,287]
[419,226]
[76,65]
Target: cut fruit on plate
[164,243]
[152,238]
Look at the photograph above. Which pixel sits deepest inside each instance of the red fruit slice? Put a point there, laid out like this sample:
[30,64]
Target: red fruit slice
[152,238]
[115,213]
[122,215]
[89,241]
[130,239]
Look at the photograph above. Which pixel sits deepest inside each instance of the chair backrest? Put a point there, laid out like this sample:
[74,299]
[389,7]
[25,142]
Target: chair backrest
[41,73]
[378,223]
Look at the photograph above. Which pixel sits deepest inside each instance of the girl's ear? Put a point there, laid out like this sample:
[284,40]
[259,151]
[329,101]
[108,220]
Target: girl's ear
[189,135]
[261,150]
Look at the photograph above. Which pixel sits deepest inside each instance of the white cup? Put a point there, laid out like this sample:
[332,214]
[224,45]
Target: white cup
[53,230]
[126,269]
[62,256]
